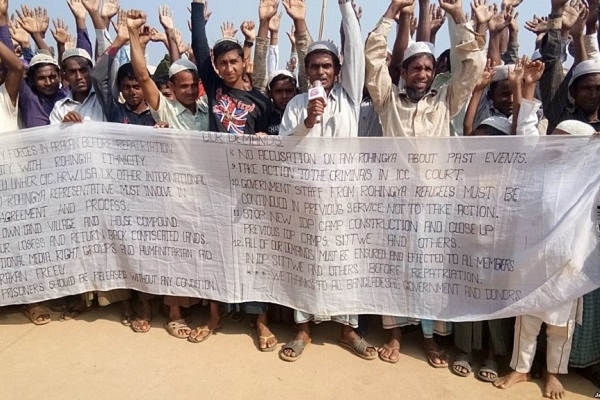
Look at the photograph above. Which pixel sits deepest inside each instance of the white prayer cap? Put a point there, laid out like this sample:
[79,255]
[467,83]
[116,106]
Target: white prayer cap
[151,69]
[326,45]
[418,48]
[501,72]
[537,55]
[181,65]
[281,72]
[585,68]
[503,124]
[42,59]
[226,39]
[576,128]
[77,52]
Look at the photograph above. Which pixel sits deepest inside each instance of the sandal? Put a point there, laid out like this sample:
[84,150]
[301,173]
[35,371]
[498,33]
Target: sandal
[360,347]
[73,311]
[173,327]
[141,325]
[201,333]
[490,368]
[390,350]
[38,315]
[462,365]
[297,346]
[265,340]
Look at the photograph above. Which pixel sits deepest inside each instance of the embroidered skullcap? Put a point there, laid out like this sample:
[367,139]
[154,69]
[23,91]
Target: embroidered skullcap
[77,52]
[279,73]
[326,45]
[42,59]
[181,65]
[418,48]
[576,128]
[585,68]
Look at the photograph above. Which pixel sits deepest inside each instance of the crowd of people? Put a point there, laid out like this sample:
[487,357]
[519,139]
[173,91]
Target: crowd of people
[479,86]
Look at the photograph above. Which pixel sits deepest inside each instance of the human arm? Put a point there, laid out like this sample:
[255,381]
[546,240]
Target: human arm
[165,17]
[436,20]
[424,23]
[576,33]
[511,55]
[469,58]
[526,117]
[267,9]
[353,68]
[296,10]
[403,15]
[14,72]
[273,52]
[248,28]
[135,21]
[200,43]
[482,83]
[378,80]
[31,21]
[496,26]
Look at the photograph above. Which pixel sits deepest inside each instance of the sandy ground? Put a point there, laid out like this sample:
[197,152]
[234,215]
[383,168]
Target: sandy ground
[95,357]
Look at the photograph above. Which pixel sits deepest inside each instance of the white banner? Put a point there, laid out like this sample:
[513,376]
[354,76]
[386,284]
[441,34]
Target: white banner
[442,228]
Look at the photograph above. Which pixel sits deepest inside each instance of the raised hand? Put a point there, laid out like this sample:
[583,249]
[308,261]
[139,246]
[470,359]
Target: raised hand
[511,3]
[515,74]
[577,28]
[91,6]
[43,21]
[17,32]
[77,8]
[267,9]
[533,71]
[513,24]
[452,7]
[571,14]
[296,9]
[486,77]
[27,19]
[61,31]
[249,31]
[538,25]
[292,36]
[121,26]
[157,36]
[436,18]
[136,19]
[145,35]
[228,29]
[482,11]
[165,17]
[110,8]
[275,23]
[499,21]
[70,43]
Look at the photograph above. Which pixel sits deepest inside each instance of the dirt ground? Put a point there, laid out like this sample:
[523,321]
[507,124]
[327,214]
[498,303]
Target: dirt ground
[95,357]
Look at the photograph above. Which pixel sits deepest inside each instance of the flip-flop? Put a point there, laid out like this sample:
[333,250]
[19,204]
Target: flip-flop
[463,361]
[440,355]
[390,349]
[297,346]
[173,327]
[490,367]
[359,347]
[35,312]
[265,340]
[127,319]
[201,329]
[141,325]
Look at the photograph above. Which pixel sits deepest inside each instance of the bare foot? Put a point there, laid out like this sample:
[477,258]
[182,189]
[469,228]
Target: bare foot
[511,379]
[553,389]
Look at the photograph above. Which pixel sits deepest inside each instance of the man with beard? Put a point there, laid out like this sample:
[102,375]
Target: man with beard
[81,103]
[412,108]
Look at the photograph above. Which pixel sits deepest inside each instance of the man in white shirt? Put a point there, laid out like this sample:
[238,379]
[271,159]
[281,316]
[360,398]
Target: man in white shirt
[81,103]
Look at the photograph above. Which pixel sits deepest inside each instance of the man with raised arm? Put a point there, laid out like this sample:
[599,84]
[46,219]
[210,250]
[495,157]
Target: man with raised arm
[412,108]
[337,115]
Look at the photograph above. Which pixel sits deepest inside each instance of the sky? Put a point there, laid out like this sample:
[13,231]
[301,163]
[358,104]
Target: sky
[248,10]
